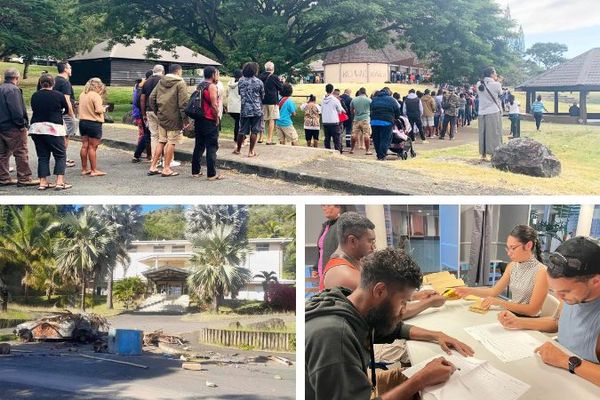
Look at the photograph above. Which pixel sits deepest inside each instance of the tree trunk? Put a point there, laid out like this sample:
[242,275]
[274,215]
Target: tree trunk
[109,290]
[215,304]
[3,299]
[26,64]
[82,306]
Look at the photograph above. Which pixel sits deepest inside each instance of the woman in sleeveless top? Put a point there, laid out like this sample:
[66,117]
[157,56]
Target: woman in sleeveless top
[526,276]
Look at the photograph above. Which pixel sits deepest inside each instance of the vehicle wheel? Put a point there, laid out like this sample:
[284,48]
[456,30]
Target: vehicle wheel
[25,335]
[82,336]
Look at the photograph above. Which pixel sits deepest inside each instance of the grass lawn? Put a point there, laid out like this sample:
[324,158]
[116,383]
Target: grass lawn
[576,146]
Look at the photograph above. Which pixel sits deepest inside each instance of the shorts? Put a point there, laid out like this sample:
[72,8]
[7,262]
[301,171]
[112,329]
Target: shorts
[250,125]
[270,111]
[311,134]
[286,133]
[169,137]
[427,121]
[70,125]
[361,130]
[152,125]
[91,129]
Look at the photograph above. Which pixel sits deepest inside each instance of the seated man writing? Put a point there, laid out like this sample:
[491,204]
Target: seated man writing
[342,326]
[574,276]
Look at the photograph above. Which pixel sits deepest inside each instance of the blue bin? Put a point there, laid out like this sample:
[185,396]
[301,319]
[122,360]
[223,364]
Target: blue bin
[127,342]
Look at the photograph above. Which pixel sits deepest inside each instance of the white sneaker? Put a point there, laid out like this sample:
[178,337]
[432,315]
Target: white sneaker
[175,163]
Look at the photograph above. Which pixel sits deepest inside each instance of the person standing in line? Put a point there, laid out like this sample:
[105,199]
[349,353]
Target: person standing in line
[312,125]
[136,113]
[207,127]
[149,115]
[13,131]
[450,104]
[361,128]
[287,110]
[169,100]
[490,113]
[91,118]
[439,112]
[537,108]
[62,84]
[346,99]
[514,114]
[234,102]
[429,109]
[331,110]
[47,131]
[462,106]
[273,86]
[384,111]
[252,92]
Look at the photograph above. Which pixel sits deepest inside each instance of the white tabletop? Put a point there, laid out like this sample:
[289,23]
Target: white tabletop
[546,382]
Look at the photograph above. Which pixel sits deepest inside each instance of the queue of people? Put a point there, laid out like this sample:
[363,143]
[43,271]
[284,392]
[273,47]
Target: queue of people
[358,318]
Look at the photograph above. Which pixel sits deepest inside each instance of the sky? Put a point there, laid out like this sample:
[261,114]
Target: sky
[575,23]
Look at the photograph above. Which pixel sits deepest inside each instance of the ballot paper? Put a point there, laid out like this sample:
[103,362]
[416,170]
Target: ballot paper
[507,345]
[474,380]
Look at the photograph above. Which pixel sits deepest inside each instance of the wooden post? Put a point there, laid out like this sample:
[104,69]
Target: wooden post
[555,103]
[528,102]
[583,106]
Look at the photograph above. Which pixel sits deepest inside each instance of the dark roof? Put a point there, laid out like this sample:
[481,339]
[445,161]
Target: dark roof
[137,51]
[361,53]
[581,72]
[166,272]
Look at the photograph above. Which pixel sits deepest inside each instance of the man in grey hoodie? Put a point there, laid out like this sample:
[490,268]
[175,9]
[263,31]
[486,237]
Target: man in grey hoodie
[342,326]
[330,111]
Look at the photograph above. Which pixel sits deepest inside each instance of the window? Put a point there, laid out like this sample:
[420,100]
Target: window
[262,246]
[159,249]
[178,249]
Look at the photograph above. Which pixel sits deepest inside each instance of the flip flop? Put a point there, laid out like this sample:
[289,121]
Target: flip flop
[151,173]
[48,186]
[173,173]
[86,172]
[198,175]
[253,155]
[215,178]
[64,186]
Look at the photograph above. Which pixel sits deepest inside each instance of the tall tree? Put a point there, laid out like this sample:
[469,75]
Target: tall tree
[547,55]
[290,32]
[215,265]
[205,217]
[165,223]
[85,240]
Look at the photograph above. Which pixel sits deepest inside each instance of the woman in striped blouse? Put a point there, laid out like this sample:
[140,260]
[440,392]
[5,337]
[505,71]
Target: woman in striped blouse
[526,275]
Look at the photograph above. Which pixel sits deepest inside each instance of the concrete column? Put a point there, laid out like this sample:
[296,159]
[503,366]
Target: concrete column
[584,224]
[376,214]
[583,106]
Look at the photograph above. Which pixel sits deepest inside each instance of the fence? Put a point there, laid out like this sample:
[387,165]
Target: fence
[279,341]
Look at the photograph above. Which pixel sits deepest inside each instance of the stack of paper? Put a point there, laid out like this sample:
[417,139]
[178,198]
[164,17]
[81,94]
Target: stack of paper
[475,380]
[507,345]
[440,281]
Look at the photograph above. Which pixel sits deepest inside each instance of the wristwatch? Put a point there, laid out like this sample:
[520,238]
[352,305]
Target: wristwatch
[574,362]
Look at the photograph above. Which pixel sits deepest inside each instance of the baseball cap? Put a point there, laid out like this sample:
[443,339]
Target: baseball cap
[576,257]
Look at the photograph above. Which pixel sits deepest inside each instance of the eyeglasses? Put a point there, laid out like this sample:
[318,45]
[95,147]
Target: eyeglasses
[564,266]
[510,249]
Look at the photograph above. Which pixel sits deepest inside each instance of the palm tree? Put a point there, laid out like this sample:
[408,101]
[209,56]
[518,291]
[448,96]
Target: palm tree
[215,270]
[27,238]
[126,222]
[267,278]
[85,240]
[204,217]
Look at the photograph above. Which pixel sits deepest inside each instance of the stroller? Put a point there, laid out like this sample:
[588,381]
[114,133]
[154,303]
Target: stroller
[401,141]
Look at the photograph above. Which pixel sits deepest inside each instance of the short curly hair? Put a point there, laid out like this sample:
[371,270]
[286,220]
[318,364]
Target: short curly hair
[391,266]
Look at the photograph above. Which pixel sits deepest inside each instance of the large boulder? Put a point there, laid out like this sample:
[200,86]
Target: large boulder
[527,157]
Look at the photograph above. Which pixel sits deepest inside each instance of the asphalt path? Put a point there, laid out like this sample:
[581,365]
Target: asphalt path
[127,179]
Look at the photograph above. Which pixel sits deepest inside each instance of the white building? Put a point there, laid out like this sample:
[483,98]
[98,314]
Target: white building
[164,265]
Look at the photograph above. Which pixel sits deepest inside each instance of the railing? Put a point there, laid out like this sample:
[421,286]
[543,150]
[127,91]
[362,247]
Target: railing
[279,341]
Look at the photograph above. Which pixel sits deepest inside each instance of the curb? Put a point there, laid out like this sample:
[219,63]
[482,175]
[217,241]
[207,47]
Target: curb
[270,172]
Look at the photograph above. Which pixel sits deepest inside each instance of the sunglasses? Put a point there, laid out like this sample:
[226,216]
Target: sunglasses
[565,266]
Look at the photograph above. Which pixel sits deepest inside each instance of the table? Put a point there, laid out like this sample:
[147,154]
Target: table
[547,383]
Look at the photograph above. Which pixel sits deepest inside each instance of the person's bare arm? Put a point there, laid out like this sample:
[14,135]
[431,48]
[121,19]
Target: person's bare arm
[540,291]
[342,275]
[554,356]
[542,324]
[70,111]
[487,292]
[417,307]
[446,342]
[435,372]
[213,92]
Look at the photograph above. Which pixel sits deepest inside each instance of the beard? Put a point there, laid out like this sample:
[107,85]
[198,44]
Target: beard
[381,319]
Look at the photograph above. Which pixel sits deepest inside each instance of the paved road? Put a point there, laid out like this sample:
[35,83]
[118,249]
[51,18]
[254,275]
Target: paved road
[125,178]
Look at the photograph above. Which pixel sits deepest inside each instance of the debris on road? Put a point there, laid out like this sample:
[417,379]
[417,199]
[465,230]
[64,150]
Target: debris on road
[114,361]
[211,384]
[192,366]
[281,360]
[156,337]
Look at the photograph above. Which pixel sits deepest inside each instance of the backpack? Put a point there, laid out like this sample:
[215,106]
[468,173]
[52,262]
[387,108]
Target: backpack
[194,108]
[446,103]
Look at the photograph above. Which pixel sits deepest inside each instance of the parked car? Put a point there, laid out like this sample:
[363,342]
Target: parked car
[83,328]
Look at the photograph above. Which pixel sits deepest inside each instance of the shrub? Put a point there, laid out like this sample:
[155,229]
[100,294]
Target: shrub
[281,297]
[128,290]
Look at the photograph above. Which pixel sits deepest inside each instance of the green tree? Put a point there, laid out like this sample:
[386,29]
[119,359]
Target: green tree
[166,223]
[27,240]
[45,28]
[215,270]
[292,32]
[86,239]
[205,217]
[547,55]
[267,278]
[128,290]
